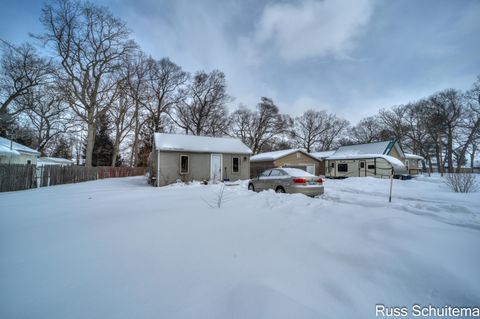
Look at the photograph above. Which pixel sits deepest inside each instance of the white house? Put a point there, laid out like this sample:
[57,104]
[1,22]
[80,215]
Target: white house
[15,153]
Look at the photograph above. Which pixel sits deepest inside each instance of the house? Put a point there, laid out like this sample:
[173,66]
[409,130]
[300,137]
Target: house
[295,158]
[414,163]
[15,153]
[57,161]
[378,159]
[189,157]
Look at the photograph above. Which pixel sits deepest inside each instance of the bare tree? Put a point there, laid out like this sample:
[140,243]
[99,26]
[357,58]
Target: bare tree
[368,130]
[471,125]
[47,113]
[137,78]
[257,129]
[166,82]
[21,69]
[447,108]
[204,110]
[90,45]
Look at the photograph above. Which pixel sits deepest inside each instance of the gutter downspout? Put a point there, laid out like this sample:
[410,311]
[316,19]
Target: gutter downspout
[158,168]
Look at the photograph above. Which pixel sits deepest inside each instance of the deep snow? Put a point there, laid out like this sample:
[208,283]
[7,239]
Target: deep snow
[119,248]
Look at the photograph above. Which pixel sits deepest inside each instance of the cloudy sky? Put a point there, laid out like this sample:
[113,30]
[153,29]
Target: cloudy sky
[348,57]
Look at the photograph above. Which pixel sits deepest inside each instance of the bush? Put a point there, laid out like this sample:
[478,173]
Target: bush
[462,182]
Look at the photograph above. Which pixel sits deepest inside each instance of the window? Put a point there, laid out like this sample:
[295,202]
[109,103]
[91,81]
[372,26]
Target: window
[29,162]
[184,164]
[333,165]
[266,173]
[342,167]
[362,164]
[370,166]
[235,164]
[276,172]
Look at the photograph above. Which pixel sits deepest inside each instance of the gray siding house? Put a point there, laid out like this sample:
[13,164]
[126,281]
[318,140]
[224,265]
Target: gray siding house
[189,157]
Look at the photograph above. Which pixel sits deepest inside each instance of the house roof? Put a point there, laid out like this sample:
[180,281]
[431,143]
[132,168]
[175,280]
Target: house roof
[6,151]
[378,148]
[53,161]
[199,144]
[273,156]
[322,155]
[19,148]
[413,156]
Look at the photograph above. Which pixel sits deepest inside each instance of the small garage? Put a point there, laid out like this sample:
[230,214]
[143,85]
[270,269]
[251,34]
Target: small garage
[294,158]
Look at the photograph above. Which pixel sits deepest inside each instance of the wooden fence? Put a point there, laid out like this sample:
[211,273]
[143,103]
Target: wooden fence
[19,177]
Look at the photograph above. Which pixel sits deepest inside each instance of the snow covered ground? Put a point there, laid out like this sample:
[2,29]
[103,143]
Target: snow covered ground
[119,248]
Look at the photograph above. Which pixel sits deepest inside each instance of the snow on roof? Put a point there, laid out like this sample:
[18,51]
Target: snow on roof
[5,143]
[413,156]
[53,161]
[322,155]
[199,144]
[6,151]
[395,162]
[370,148]
[272,156]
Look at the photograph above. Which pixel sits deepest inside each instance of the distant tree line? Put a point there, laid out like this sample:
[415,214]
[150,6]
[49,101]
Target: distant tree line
[98,96]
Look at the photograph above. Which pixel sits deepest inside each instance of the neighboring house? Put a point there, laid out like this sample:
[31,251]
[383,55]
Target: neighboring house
[414,163]
[15,153]
[43,161]
[189,157]
[372,159]
[294,158]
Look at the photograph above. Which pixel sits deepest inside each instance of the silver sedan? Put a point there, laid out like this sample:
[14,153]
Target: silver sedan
[287,180]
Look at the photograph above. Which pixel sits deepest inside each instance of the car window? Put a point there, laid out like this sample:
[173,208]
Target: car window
[276,172]
[265,173]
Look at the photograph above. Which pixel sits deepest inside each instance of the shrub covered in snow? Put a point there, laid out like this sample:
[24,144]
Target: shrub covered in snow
[462,182]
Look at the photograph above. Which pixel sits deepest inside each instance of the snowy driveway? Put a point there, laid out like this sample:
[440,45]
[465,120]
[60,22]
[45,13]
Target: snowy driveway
[119,248]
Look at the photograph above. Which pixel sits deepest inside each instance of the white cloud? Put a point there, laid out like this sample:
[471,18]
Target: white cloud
[312,28]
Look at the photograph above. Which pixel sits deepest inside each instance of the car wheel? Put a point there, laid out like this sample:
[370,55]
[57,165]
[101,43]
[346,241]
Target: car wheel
[280,189]
[251,187]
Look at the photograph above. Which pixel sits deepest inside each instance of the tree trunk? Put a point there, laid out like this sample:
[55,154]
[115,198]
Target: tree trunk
[90,142]
[450,150]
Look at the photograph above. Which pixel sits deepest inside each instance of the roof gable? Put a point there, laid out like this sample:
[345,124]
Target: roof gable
[199,144]
[275,155]
[6,143]
[380,148]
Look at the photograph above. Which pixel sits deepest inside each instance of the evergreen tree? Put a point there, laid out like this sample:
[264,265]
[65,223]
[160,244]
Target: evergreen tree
[103,146]
[62,148]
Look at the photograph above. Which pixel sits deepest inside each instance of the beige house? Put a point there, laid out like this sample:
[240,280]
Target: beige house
[15,153]
[177,157]
[414,163]
[295,158]
[379,159]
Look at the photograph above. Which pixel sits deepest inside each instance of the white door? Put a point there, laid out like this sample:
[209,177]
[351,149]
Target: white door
[311,169]
[216,168]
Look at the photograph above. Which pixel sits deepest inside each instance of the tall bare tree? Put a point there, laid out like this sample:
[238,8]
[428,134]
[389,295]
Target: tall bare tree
[21,69]
[204,110]
[447,108]
[90,45]
[48,115]
[260,127]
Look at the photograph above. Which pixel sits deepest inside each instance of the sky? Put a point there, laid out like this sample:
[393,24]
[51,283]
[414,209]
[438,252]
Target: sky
[349,57]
